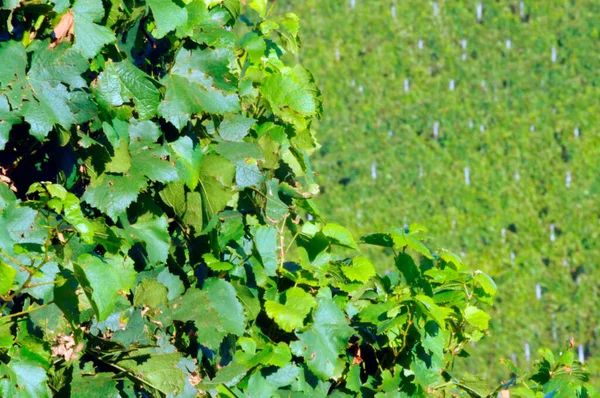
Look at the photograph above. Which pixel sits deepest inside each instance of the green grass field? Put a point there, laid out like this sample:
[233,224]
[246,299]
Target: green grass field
[482,124]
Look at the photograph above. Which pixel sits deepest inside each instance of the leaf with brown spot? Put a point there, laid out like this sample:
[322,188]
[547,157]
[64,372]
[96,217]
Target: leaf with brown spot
[64,29]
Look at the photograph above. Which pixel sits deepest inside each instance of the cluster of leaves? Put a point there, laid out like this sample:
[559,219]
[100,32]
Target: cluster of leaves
[154,165]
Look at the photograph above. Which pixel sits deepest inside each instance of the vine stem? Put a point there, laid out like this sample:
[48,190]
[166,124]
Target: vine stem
[27,311]
[25,285]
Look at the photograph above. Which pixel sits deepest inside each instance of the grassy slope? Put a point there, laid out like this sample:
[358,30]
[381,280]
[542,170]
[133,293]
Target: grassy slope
[512,110]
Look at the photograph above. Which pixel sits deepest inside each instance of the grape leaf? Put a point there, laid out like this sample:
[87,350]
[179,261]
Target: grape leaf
[168,16]
[340,236]
[90,37]
[265,240]
[7,277]
[235,128]
[112,194]
[361,269]
[122,82]
[158,370]
[477,317]
[189,90]
[150,293]
[154,233]
[290,316]
[325,341]
[102,280]
[188,156]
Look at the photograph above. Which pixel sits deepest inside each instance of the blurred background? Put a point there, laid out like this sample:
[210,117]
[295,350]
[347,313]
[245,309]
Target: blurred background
[480,121]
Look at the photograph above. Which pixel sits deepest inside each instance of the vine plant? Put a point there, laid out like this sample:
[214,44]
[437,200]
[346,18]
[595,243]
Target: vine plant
[153,242]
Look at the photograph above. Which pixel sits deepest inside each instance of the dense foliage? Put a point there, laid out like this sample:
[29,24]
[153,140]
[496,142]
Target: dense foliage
[155,175]
[481,123]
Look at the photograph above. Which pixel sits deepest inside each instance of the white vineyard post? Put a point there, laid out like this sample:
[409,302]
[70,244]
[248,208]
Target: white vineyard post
[522,9]
[581,352]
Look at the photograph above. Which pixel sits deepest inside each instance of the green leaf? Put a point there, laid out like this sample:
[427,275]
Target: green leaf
[102,280]
[193,216]
[216,177]
[361,270]
[25,377]
[235,128]
[417,245]
[224,300]
[154,233]
[433,339]
[477,317]
[188,157]
[325,341]
[112,194]
[437,313]
[191,90]
[215,311]
[72,212]
[12,77]
[5,128]
[158,370]
[486,282]
[426,368]
[172,282]
[353,382]
[168,16]
[122,82]
[260,6]
[265,240]
[150,293]
[213,263]
[284,376]
[7,277]
[49,108]
[276,208]
[290,98]
[89,36]
[174,196]
[340,236]
[149,158]
[101,385]
[290,316]
[247,174]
